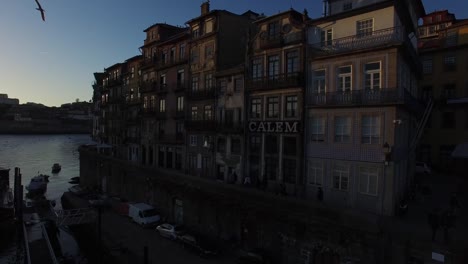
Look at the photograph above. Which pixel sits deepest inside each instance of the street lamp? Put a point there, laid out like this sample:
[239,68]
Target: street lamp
[387,152]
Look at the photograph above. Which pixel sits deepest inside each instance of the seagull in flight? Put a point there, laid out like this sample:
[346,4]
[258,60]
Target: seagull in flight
[39,7]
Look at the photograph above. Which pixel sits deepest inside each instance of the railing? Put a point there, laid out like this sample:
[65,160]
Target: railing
[356,42]
[271,42]
[364,97]
[202,94]
[200,125]
[276,82]
[170,62]
[294,37]
[114,82]
[148,86]
[230,127]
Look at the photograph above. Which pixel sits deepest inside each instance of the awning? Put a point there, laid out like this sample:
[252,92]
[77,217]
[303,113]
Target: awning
[461,151]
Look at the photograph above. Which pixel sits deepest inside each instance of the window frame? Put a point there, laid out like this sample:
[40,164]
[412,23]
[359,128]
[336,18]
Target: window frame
[318,122]
[273,108]
[347,127]
[362,32]
[366,176]
[312,170]
[371,75]
[343,172]
[373,127]
[342,79]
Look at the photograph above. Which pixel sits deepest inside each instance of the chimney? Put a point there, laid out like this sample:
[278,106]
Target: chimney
[205,8]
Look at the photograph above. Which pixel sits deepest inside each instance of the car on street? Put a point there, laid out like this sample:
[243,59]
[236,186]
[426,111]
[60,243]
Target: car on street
[422,168]
[203,247]
[170,231]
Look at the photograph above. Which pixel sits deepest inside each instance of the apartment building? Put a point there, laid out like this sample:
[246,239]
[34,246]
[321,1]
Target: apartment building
[164,54]
[275,88]
[443,45]
[218,42]
[97,132]
[132,108]
[361,108]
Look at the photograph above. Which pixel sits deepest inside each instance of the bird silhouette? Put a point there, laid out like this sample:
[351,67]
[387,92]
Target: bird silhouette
[39,8]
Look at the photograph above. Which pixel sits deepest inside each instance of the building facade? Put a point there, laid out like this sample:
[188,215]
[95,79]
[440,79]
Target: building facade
[361,107]
[444,51]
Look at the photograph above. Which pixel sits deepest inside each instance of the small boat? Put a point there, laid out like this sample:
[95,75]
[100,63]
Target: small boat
[74,180]
[56,168]
[38,184]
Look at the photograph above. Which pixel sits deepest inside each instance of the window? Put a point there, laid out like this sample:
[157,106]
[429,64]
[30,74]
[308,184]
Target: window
[315,173]
[427,65]
[273,107]
[194,83]
[238,84]
[172,54]
[161,127]
[182,51]
[272,146]
[450,62]
[317,129]
[344,79]
[372,76]
[193,140]
[257,68]
[222,145]
[255,108]
[368,180]
[327,37]
[153,102]
[289,170]
[162,105]
[180,104]
[195,32]
[209,81]
[194,55]
[235,146]
[449,91]
[209,51]
[194,113]
[222,86]
[208,113]
[179,128]
[422,31]
[273,67]
[292,61]
[255,143]
[370,130]
[432,30]
[145,102]
[291,106]
[347,6]
[273,29]
[318,82]
[164,57]
[342,129]
[452,38]
[209,26]
[364,27]
[289,146]
[340,177]
[162,80]
[180,77]
[448,120]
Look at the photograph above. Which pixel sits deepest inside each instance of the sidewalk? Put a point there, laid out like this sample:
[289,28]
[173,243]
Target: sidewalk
[415,227]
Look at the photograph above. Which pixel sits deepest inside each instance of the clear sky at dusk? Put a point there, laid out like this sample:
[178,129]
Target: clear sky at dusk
[52,62]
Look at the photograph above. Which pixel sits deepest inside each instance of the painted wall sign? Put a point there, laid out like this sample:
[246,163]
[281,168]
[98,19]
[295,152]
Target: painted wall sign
[274,126]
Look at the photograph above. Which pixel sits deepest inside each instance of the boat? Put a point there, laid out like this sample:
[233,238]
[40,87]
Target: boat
[38,184]
[56,168]
[74,180]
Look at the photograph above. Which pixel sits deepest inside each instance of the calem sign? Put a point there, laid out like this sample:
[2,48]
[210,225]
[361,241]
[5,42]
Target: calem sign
[274,127]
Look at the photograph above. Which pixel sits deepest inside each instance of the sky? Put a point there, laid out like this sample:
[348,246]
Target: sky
[53,62]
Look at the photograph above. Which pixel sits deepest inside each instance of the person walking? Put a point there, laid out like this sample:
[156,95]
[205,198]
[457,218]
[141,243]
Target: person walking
[434,222]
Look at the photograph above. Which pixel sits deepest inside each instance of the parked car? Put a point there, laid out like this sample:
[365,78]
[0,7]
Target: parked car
[170,231]
[201,246]
[143,214]
[422,168]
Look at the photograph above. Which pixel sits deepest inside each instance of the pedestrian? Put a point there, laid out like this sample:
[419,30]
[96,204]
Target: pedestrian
[454,203]
[320,194]
[434,222]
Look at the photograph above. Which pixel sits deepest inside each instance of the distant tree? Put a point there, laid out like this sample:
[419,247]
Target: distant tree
[77,100]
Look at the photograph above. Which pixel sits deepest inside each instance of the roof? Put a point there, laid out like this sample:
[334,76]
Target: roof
[161,25]
[295,12]
[212,12]
[137,57]
[99,76]
[114,66]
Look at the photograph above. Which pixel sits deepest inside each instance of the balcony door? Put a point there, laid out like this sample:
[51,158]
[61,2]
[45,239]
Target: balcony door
[344,83]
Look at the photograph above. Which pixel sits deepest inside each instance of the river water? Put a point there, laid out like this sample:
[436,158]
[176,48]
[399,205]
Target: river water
[35,154]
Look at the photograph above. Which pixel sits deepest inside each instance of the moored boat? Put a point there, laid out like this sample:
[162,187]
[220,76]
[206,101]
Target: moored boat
[38,184]
[56,168]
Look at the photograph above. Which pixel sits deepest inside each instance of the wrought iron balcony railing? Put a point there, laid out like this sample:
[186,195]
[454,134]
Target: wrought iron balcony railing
[148,86]
[200,125]
[201,94]
[377,38]
[276,82]
[280,40]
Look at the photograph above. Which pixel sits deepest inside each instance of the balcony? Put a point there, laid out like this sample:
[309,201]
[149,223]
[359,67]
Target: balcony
[171,138]
[230,127]
[276,82]
[114,82]
[148,86]
[200,125]
[201,94]
[180,86]
[378,38]
[160,64]
[388,96]
[161,115]
[162,88]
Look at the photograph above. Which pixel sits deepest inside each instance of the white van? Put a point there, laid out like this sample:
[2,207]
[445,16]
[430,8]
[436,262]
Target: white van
[143,214]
